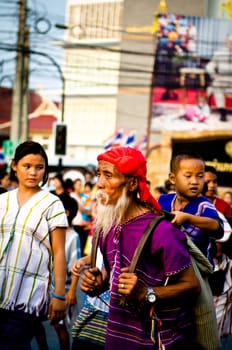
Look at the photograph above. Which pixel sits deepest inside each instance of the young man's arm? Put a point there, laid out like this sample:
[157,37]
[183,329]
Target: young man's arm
[76,270]
[203,222]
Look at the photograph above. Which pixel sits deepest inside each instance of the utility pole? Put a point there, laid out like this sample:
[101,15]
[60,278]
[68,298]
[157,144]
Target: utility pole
[25,93]
[19,110]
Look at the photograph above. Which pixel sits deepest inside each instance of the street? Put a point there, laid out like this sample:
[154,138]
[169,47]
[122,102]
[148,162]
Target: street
[52,338]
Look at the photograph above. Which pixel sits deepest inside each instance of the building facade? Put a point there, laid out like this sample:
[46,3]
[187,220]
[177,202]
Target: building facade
[109,66]
[92,62]
[109,59]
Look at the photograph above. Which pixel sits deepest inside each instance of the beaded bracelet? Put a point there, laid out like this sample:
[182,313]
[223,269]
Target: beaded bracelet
[60,297]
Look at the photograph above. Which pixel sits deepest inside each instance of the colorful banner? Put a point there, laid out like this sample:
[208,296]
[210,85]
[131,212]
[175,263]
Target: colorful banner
[185,84]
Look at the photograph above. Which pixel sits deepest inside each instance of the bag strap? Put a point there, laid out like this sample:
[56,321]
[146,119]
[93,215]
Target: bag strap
[137,253]
[164,214]
[150,228]
[93,253]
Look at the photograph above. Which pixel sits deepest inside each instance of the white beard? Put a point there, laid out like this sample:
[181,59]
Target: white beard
[110,214]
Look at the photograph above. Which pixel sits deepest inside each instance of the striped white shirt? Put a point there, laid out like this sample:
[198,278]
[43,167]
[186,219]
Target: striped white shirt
[25,250]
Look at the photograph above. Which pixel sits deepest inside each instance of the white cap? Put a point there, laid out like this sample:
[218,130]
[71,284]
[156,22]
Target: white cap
[227,229]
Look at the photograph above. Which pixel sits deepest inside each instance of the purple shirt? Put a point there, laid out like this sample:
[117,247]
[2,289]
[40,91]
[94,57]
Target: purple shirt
[164,255]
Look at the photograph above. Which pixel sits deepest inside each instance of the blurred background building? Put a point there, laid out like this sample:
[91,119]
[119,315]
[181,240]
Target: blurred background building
[98,62]
[91,67]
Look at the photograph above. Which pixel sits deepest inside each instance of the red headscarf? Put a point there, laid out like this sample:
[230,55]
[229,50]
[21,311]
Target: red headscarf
[130,161]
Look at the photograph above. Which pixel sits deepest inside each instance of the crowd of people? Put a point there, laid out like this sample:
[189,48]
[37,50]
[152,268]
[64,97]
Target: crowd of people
[45,253]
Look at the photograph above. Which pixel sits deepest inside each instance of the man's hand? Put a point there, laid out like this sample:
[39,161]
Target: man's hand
[79,264]
[133,291]
[127,281]
[91,281]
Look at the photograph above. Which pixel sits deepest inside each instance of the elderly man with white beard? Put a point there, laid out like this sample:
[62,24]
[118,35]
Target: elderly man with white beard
[163,280]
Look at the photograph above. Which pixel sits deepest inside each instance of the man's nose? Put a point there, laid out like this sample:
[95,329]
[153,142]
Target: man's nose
[100,182]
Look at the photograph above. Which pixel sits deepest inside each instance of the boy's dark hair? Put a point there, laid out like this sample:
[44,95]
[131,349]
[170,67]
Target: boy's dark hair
[3,174]
[211,169]
[88,184]
[178,156]
[71,205]
[68,183]
[160,189]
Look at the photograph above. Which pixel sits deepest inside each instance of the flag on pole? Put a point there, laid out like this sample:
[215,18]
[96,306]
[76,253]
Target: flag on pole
[114,140]
[129,139]
[141,145]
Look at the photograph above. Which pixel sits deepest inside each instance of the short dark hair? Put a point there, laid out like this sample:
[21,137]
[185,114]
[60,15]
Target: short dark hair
[160,189]
[71,205]
[210,169]
[3,174]
[178,156]
[88,184]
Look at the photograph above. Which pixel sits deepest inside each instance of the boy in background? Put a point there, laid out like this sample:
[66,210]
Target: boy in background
[211,189]
[72,253]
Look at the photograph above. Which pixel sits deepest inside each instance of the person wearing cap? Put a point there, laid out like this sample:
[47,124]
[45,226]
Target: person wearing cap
[163,278]
[223,297]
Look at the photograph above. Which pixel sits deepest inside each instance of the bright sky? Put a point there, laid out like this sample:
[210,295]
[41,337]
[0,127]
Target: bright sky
[54,11]
[40,14]
[55,7]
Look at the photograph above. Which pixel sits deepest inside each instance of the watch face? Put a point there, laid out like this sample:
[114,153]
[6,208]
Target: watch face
[151,298]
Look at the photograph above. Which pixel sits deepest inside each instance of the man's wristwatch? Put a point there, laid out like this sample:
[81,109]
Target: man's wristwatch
[150,297]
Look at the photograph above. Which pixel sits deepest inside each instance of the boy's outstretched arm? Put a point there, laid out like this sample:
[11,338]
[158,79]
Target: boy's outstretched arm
[204,223]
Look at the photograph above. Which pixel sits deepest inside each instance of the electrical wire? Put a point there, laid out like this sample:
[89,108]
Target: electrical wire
[136,71]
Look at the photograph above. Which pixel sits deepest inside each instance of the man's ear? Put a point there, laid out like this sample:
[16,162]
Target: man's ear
[172,178]
[132,184]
